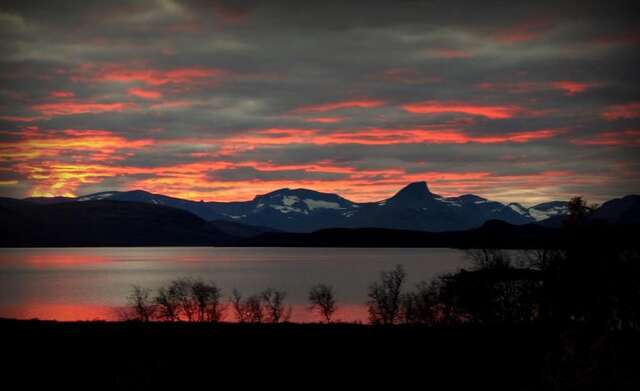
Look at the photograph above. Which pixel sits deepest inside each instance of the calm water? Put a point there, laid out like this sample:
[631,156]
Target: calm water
[91,283]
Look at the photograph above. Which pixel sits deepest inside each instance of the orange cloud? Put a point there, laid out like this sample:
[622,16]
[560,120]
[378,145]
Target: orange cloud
[155,77]
[321,108]
[145,94]
[193,180]
[623,111]
[325,120]
[282,137]
[67,142]
[437,107]
[74,107]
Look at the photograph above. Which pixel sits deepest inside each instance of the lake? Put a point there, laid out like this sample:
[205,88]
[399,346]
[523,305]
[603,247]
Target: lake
[92,283]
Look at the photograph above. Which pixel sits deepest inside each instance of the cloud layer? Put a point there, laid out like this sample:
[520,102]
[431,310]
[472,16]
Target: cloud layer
[221,100]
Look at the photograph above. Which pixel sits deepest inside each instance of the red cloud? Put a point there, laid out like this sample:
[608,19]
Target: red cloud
[15,118]
[385,136]
[626,38]
[624,111]
[436,107]
[325,120]
[452,53]
[154,77]
[612,138]
[573,87]
[523,32]
[407,76]
[74,107]
[569,87]
[62,94]
[321,108]
[145,94]
[233,13]
[282,137]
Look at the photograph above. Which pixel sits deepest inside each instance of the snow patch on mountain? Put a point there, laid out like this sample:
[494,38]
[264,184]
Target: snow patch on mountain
[288,209]
[94,197]
[319,204]
[289,200]
[449,202]
[540,215]
[519,209]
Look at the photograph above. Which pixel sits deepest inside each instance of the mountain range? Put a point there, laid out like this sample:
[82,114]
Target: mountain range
[288,217]
[414,207]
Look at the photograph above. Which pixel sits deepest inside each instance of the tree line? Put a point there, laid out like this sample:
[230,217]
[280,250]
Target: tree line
[196,300]
[585,282]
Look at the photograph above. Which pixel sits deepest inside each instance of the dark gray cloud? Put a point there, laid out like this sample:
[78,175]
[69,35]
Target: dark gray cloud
[200,83]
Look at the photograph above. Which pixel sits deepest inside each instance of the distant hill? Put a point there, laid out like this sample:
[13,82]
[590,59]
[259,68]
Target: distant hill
[493,234]
[103,223]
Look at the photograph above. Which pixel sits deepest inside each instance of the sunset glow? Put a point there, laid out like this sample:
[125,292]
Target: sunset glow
[215,102]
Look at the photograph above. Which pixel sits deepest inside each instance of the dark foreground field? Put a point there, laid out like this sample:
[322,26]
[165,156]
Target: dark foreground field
[132,355]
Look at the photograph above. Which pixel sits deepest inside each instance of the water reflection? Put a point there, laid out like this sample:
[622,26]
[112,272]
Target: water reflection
[92,283]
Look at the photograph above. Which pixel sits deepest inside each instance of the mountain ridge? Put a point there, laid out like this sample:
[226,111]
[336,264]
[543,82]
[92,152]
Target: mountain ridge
[413,207]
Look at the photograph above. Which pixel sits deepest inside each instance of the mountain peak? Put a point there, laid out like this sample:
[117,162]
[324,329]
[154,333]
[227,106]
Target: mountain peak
[417,189]
[412,194]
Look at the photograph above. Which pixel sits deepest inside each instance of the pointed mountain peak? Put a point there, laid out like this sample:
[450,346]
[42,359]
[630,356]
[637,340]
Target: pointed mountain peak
[413,194]
[415,189]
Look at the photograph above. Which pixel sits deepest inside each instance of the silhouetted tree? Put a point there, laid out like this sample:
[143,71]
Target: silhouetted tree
[167,304]
[140,304]
[323,301]
[207,300]
[274,307]
[485,258]
[543,259]
[247,310]
[176,302]
[384,297]
[181,290]
[254,308]
[238,306]
[419,306]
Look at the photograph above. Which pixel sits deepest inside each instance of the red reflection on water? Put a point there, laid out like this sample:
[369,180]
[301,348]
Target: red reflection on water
[62,312]
[70,312]
[345,313]
[57,259]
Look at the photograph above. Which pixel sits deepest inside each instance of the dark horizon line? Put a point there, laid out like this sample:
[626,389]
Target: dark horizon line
[308,189]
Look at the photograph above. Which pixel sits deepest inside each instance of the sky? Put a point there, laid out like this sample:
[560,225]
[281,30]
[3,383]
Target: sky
[223,100]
